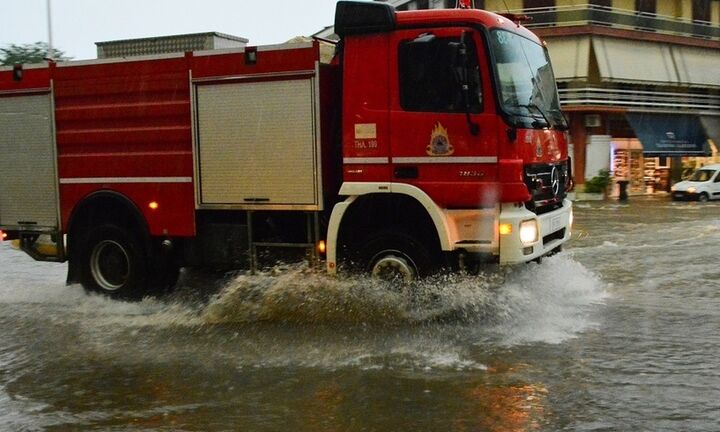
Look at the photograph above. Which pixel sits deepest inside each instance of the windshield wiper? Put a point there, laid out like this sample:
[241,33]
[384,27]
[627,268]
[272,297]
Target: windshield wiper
[562,124]
[536,123]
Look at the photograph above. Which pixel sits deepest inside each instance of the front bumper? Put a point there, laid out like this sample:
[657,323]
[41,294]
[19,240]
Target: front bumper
[553,230]
[685,196]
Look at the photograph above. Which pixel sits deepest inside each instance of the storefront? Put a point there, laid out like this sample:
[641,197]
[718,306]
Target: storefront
[646,110]
[651,151]
[664,141]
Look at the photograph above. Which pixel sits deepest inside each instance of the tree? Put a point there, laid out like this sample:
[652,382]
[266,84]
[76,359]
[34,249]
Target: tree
[28,53]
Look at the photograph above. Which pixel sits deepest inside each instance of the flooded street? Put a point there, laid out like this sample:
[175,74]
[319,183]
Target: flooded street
[620,332]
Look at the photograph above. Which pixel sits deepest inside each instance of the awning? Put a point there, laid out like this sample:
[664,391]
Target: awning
[697,66]
[669,134]
[712,127]
[627,60]
[570,57]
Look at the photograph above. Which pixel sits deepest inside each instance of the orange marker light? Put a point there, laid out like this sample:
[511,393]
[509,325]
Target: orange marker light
[153,205]
[321,247]
[3,235]
[505,229]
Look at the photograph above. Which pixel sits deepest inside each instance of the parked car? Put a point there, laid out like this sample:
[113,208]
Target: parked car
[703,185]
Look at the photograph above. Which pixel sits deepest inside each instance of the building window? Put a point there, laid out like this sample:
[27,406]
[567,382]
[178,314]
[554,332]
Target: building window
[701,10]
[602,3]
[533,4]
[429,81]
[646,6]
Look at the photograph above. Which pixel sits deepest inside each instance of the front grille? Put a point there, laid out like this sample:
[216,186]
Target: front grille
[548,184]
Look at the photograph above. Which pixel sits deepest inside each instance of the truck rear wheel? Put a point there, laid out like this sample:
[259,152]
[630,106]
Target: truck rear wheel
[394,256]
[113,262]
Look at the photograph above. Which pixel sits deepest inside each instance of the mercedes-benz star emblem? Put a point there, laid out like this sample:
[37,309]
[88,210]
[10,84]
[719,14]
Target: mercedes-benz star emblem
[555,181]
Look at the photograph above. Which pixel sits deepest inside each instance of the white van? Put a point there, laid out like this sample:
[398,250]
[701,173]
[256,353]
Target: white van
[704,185]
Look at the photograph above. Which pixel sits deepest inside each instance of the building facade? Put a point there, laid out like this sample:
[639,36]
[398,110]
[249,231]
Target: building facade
[639,81]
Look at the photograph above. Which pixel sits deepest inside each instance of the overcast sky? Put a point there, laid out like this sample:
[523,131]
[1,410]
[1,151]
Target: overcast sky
[78,24]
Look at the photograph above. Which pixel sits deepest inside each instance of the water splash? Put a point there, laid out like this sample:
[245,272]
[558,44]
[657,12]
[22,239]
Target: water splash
[303,296]
[550,303]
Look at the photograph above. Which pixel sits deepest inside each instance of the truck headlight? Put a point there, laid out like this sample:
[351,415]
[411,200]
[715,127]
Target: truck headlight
[529,231]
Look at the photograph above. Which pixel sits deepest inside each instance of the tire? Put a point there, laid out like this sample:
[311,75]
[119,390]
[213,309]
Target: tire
[703,197]
[396,256]
[113,262]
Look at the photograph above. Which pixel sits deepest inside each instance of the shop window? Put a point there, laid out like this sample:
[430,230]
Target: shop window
[429,81]
[701,10]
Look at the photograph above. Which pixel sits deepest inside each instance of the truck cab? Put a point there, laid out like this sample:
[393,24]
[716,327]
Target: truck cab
[456,111]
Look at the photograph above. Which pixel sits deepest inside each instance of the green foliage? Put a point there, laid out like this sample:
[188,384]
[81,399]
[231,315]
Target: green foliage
[28,53]
[599,183]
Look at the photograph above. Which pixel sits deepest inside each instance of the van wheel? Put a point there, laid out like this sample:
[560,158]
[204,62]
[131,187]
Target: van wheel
[703,197]
[393,256]
[113,262]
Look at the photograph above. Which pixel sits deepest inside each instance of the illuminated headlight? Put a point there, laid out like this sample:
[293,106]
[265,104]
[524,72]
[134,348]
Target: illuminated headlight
[692,190]
[529,231]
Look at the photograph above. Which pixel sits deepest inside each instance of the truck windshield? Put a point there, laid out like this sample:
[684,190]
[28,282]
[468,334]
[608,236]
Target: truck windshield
[527,84]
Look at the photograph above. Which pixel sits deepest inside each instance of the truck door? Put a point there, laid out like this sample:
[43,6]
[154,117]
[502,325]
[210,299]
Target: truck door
[28,185]
[443,139]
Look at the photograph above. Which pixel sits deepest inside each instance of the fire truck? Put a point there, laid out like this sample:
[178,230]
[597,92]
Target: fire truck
[433,140]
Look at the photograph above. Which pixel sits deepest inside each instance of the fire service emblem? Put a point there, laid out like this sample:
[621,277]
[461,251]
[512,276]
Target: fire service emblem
[440,142]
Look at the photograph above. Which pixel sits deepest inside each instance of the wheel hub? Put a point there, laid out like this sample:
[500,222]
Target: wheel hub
[394,267]
[110,265]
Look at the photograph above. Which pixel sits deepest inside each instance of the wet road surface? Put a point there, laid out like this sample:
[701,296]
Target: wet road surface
[621,332]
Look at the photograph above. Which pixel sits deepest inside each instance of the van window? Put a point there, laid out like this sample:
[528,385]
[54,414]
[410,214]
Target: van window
[702,175]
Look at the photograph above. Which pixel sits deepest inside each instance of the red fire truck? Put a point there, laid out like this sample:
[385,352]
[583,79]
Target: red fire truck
[433,140]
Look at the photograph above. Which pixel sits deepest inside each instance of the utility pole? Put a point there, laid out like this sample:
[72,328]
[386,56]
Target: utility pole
[49,24]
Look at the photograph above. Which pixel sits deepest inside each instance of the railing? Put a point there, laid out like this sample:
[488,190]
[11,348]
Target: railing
[579,15]
[670,101]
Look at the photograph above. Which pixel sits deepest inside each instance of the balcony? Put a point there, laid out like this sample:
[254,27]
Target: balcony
[591,15]
[634,99]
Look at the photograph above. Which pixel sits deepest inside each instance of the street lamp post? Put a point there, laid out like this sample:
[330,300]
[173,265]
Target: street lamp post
[49,24]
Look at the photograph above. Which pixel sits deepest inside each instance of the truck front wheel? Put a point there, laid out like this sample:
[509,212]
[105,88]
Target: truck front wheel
[396,256]
[113,262]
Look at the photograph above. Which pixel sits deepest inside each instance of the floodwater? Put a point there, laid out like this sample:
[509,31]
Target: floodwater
[621,332]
